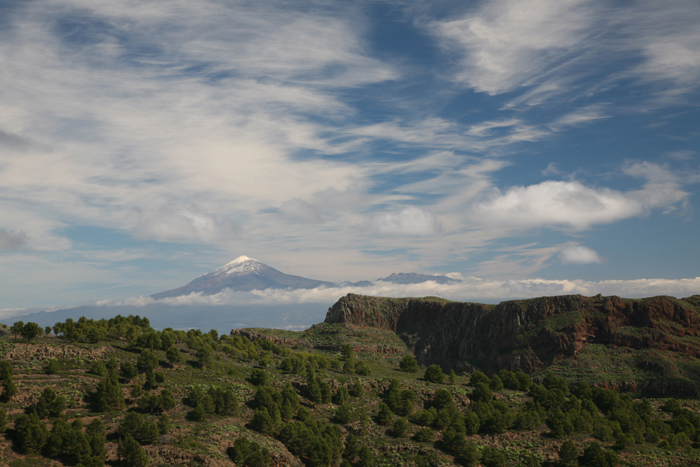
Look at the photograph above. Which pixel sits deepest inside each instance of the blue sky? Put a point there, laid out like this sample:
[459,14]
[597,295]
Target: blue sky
[513,143]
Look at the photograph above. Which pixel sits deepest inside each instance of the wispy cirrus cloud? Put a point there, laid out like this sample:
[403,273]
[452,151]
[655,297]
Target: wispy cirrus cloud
[548,48]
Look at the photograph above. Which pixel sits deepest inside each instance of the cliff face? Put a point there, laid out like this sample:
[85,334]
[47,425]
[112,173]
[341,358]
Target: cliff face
[530,335]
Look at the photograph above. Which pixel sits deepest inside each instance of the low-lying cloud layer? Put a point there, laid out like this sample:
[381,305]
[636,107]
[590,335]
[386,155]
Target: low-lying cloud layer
[469,289]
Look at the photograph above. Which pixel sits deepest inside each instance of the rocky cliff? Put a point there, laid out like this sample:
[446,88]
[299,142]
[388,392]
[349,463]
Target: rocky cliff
[651,343]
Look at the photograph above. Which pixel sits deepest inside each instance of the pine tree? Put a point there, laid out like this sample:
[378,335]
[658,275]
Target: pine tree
[132,453]
[9,389]
[452,379]
[97,437]
[31,433]
[109,395]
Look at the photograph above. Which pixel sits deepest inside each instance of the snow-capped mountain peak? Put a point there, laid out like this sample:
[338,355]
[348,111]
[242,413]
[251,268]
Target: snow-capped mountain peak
[239,266]
[242,274]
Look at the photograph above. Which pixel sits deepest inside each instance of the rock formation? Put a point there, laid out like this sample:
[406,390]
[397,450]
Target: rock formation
[662,333]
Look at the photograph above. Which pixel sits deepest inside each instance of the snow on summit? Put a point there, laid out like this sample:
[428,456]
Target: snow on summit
[239,266]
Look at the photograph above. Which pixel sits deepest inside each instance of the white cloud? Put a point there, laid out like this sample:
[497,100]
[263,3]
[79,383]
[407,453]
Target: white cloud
[571,204]
[13,240]
[579,254]
[187,224]
[556,203]
[549,47]
[579,117]
[509,43]
[470,289]
[322,204]
[410,221]
[681,155]
[298,209]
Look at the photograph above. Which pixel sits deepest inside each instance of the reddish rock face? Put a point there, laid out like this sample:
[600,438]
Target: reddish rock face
[527,335]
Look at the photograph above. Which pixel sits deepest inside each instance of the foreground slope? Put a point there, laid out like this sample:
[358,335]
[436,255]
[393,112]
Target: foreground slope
[119,393]
[650,344]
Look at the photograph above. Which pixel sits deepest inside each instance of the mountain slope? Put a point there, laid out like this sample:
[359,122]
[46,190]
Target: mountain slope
[242,274]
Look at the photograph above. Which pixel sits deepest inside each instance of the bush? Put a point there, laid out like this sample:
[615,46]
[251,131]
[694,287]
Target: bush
[259,377]
[362,369]
[108,395]
[399,428]
[49,404]
[496,383]
[98,368]
[173,355]
[385,415]
[31,433]
[595,456]
[434,374]
[343,414]
[128,371]
[492,457]
[53,367]
[248,453]
[478,377]
[424,435]
[408,364]
[147,361]
[568,454]
[131,452]
[481,393]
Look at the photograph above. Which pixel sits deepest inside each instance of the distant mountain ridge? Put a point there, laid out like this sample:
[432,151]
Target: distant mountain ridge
[415,278]
[245,274]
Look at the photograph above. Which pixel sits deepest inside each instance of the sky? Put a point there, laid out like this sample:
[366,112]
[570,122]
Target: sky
[527,147]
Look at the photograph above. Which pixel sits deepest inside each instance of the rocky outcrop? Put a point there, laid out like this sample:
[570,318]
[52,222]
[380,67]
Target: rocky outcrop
[527,335]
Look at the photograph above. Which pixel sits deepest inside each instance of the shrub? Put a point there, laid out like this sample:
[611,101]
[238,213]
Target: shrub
[424,435]
[384,416]
[52,367]
[108,394]
[147,361]
[595,456]
[408,364]
[128,371]
[173,355]
[492,457]
[248,453]
[31,433]
[481,393]
[478,377]
[259,377]
[362,369]
[496,383]
[568,454]
[399,428]
[98,368]
[131,452]
[49,404]
[434,374]
[343,414]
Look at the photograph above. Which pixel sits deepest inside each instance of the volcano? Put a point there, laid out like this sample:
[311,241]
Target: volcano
[242,274]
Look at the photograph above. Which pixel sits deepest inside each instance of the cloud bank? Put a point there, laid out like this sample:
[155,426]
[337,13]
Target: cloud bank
[469,289]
